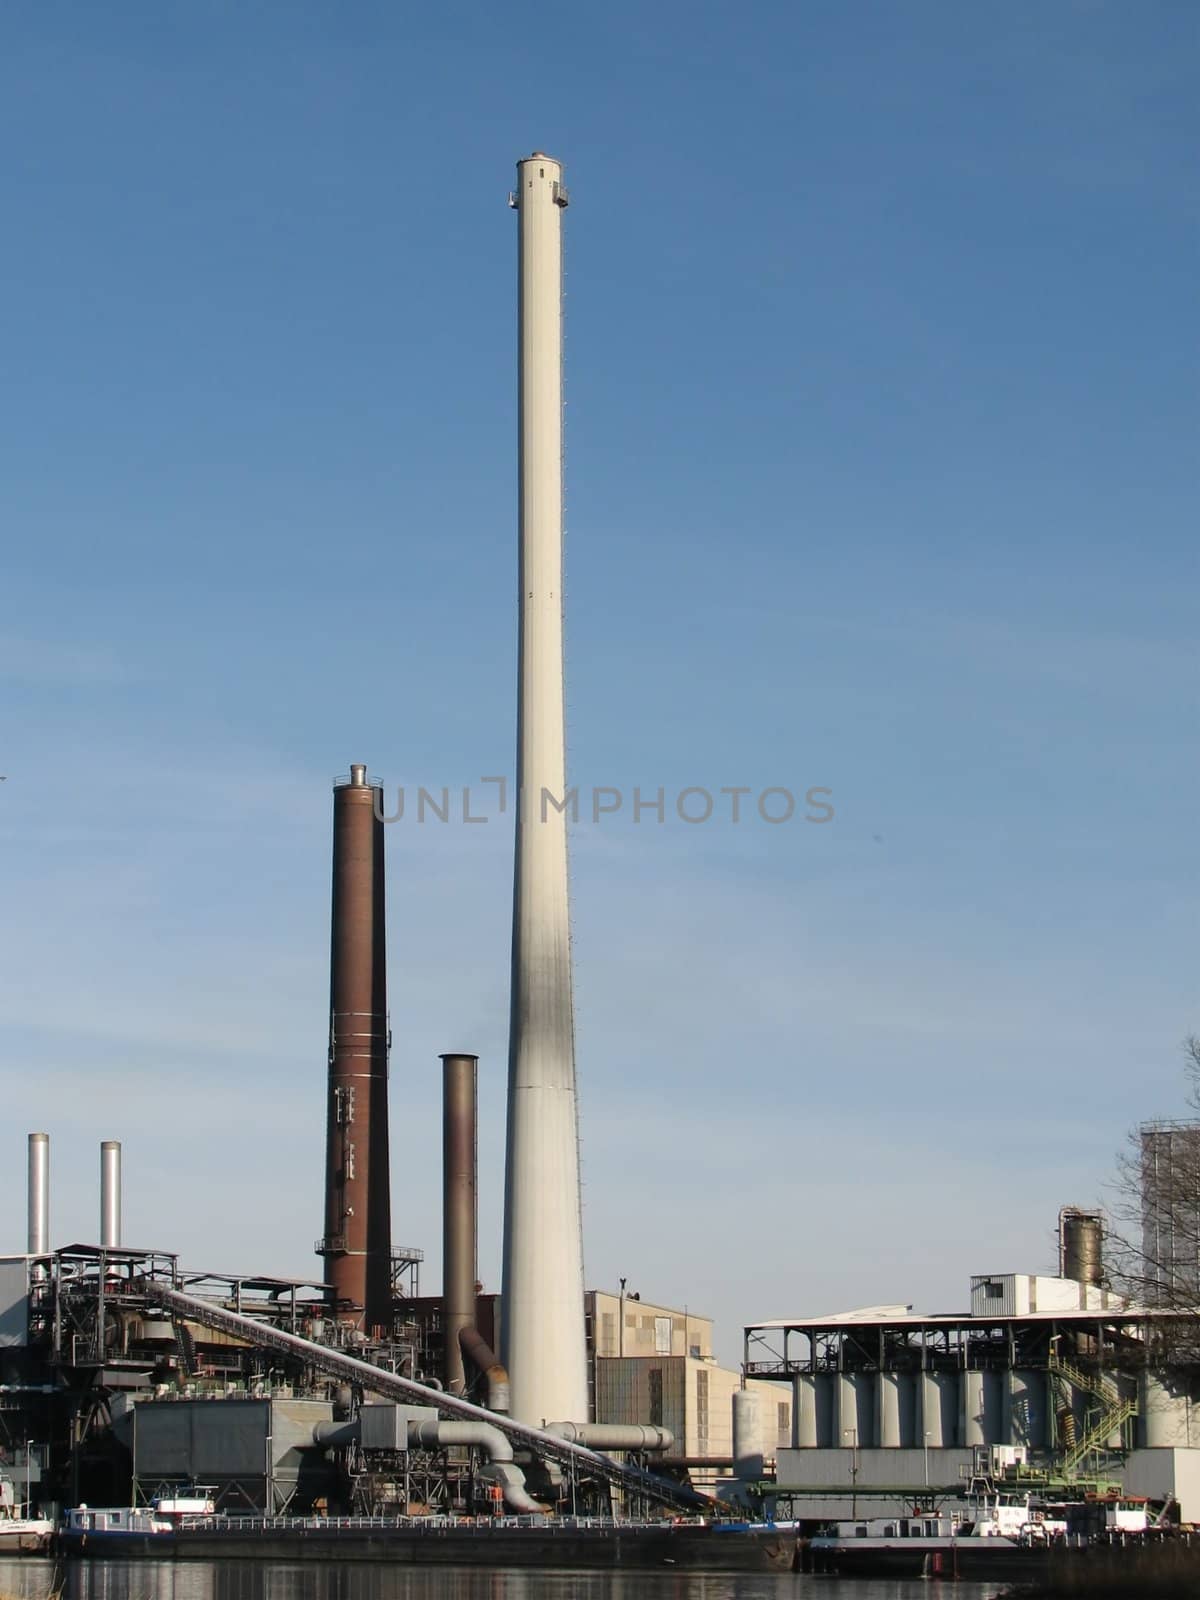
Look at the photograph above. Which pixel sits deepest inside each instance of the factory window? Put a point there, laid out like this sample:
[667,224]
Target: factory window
[994,1291]
[655,1385]
[783,1433]
[662,1336]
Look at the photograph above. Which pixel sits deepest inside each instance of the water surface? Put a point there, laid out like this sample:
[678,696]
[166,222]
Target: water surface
[319,1580]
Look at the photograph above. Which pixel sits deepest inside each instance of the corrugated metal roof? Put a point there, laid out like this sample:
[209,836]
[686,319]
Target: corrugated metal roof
[843,1319]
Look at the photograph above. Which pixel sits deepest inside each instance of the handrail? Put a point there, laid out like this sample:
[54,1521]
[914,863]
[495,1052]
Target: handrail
[221,1522]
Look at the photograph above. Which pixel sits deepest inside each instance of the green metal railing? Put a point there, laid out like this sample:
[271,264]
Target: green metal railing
[1113,1411]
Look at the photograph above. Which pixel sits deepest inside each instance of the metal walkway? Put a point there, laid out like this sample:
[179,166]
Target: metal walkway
[574,1457]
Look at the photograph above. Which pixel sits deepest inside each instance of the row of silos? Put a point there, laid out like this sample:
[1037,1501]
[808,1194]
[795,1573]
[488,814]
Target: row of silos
[905,1410]
[943,1409]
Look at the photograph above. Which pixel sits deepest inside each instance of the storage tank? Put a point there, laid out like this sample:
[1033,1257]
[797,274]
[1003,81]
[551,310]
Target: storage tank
[1163,1412]
[938,1417]
[1025,1408]
[804,1411]
[826,1396]
[982,1408]
[747,1436]
[1126,1386]
[856,1410]
[1081,1245]
[895,1408]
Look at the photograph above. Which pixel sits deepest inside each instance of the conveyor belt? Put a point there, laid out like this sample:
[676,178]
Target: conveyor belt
[405,1390]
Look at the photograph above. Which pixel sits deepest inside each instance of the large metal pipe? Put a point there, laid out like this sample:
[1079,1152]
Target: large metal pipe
[544,1347]
[435,1434]
[460,1217]
[357,1245]
[390,1386]
[39,1194]
[110,1194]
[614,1435]
[478,1350]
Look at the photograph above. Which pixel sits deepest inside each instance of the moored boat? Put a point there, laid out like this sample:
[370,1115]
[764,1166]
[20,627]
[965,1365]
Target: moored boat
[130,1529]
[994,1534]
[21,1534]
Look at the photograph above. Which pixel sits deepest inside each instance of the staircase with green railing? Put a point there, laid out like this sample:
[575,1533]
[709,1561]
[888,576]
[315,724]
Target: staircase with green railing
[1115,1410]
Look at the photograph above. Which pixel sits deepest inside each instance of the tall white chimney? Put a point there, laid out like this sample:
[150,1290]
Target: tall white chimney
[110,1194]
[543,1238]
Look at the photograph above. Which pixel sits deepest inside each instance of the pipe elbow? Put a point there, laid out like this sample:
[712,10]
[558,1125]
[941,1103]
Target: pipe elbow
[436,1433]
[476,1348]
[502,1469]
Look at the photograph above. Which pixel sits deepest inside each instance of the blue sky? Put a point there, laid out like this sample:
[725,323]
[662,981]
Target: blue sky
[881,426]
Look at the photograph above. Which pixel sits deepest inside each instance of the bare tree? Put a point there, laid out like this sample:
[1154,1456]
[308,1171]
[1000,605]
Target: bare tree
[1153,1253]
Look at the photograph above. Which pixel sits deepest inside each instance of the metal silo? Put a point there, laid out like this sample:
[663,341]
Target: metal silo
[856,1409]
[747,1436]
[971,1392]
[939,1409]
[1025,1407]
[1081,1245]
[825,1386]
[804,1411]
[895,1407]
[983,1419]
[1164,1412]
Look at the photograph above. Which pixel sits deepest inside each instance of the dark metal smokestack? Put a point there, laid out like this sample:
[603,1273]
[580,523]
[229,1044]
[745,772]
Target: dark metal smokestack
[1081,1245]
[357,1246]
[460,1215]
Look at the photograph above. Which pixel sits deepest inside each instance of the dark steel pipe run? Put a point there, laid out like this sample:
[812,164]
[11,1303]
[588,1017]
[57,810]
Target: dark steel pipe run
[460,1215]
[357,1246]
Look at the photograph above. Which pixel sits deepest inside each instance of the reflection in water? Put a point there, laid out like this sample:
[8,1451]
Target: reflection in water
[262,1580]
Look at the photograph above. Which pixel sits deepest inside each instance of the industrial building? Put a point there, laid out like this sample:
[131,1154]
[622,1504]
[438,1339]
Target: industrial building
[124,1374]
[1169,1265]
[120,1371]
[1056,1378]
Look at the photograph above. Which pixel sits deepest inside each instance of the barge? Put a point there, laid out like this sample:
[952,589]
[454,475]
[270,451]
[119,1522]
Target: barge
[585,1543]
[996,1535]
